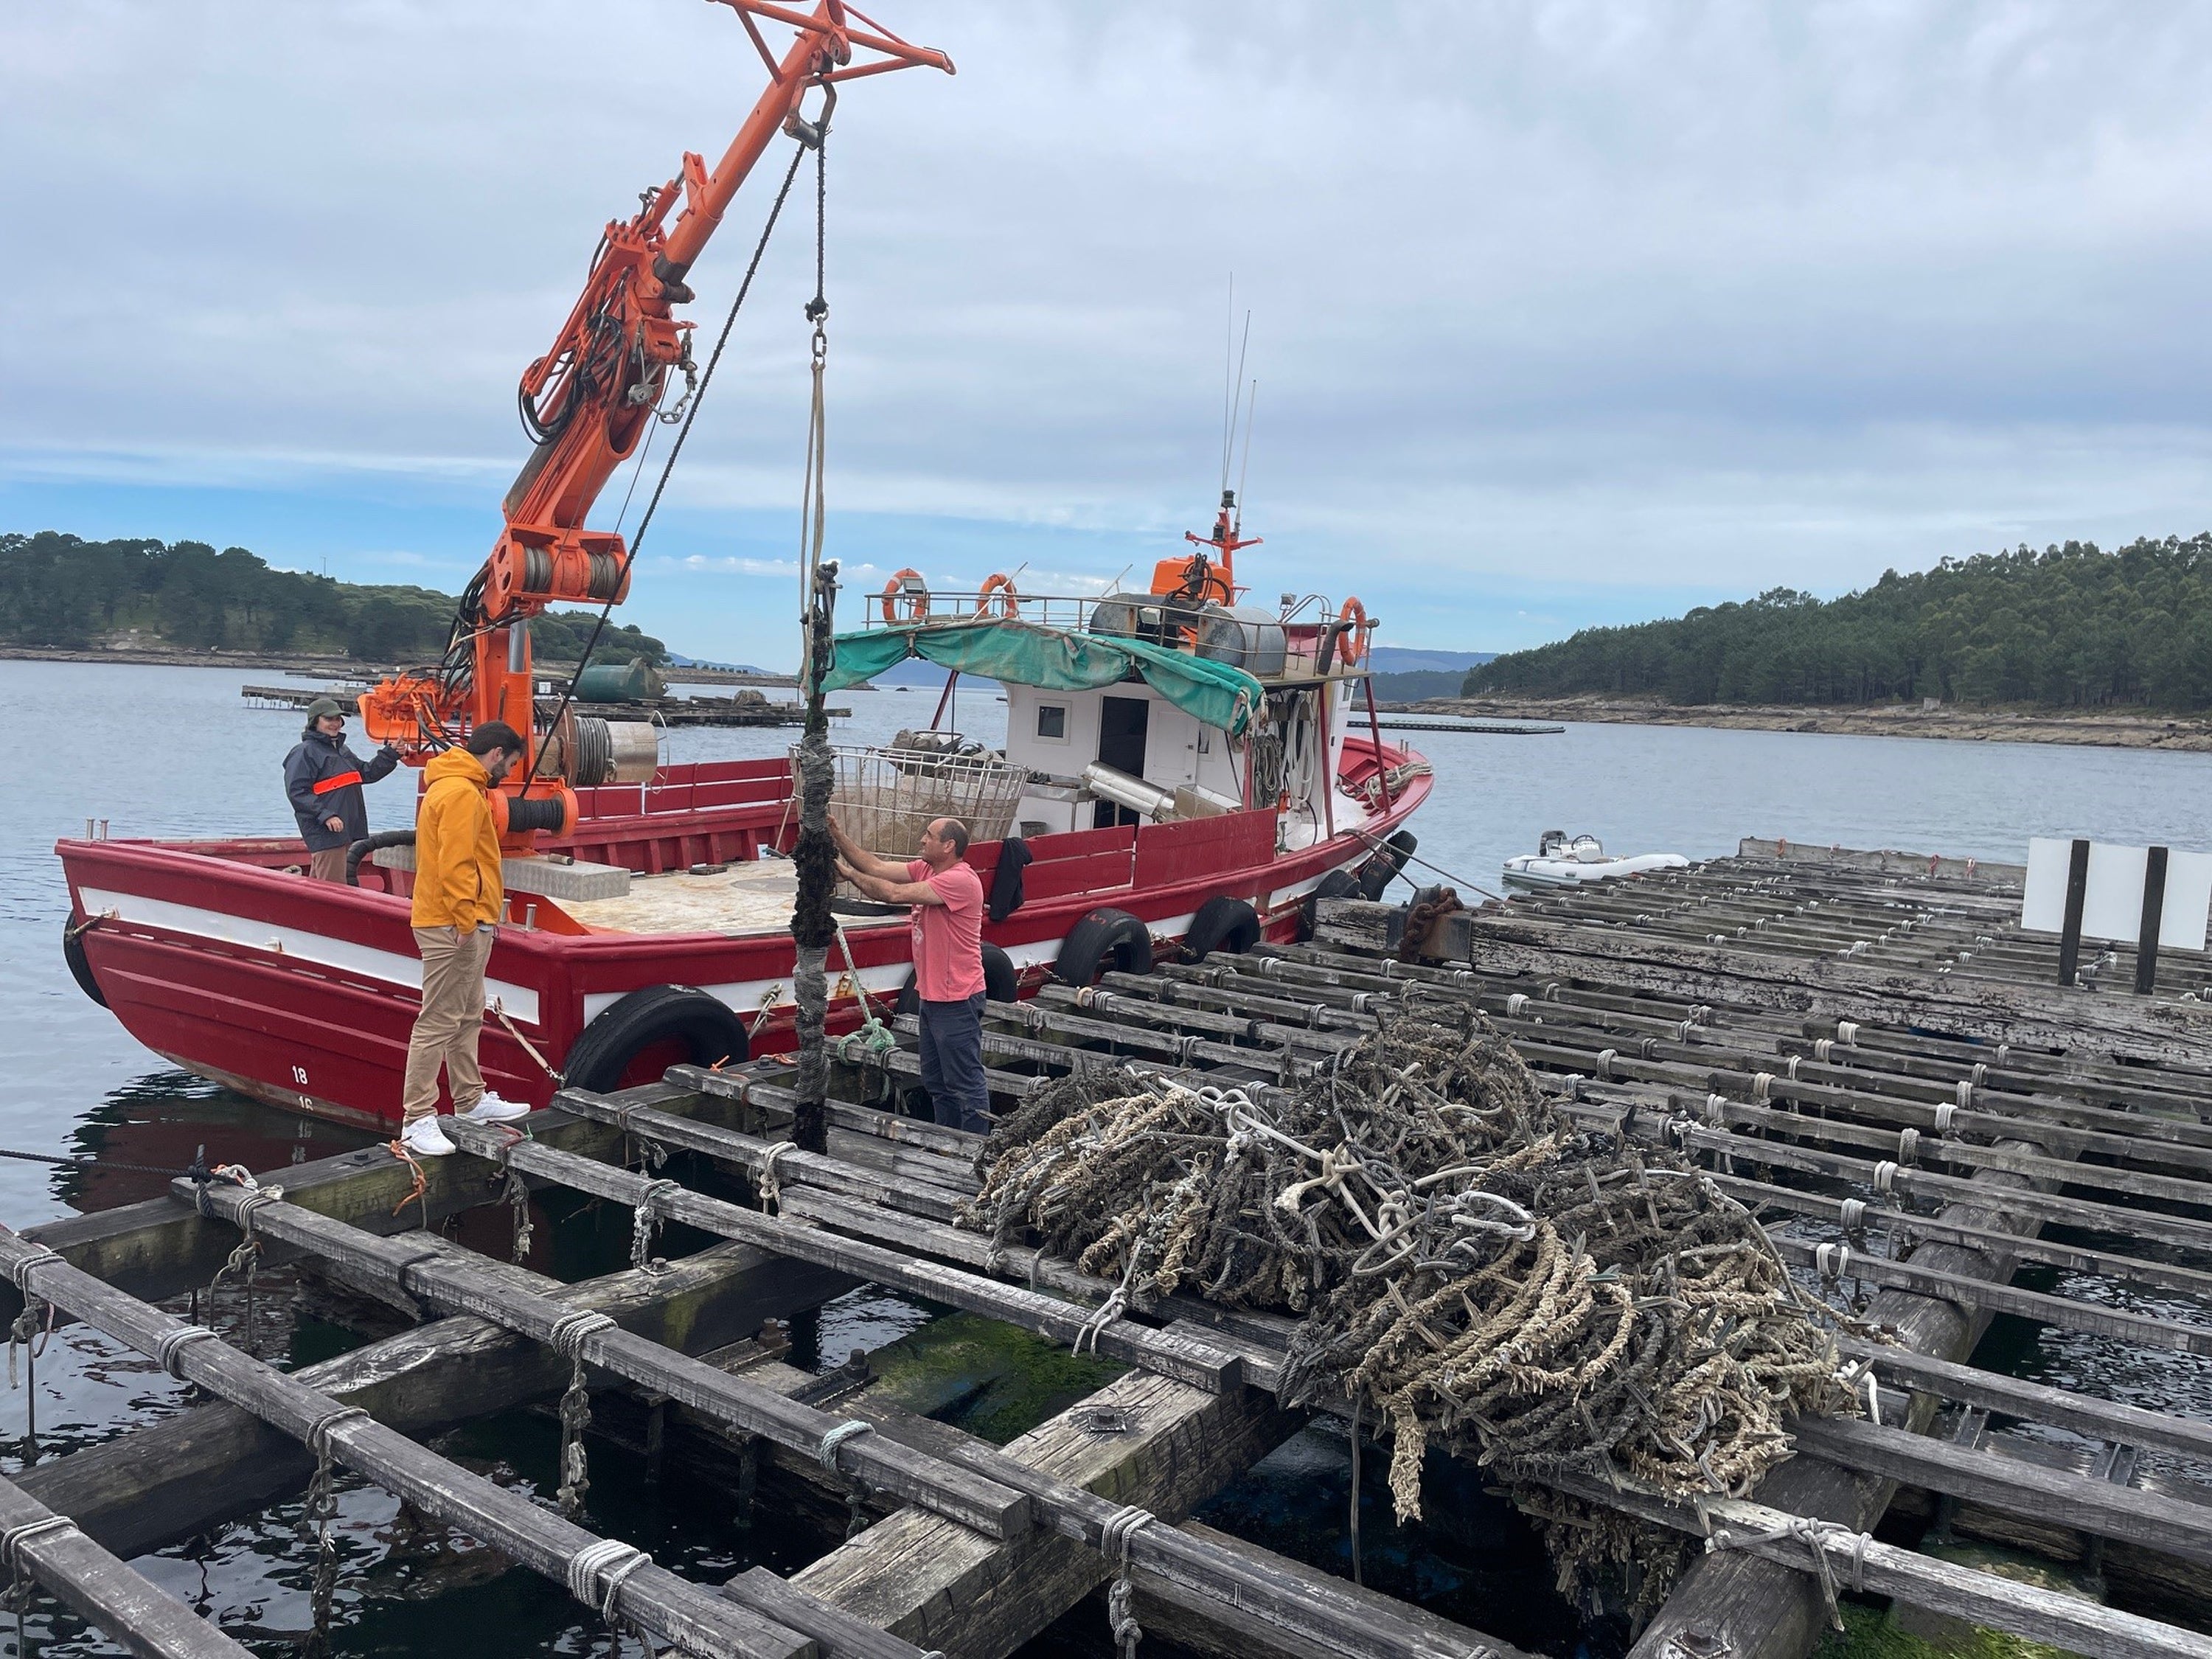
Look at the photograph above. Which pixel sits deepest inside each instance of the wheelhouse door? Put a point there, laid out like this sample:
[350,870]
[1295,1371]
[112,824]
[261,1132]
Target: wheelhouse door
[1122,726]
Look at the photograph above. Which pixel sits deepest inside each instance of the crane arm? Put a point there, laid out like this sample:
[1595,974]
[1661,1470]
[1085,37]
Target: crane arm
[588,400]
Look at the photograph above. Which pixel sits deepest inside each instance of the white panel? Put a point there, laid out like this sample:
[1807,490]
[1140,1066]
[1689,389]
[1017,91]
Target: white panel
[2181,923]
[2112,904]
[2043,900]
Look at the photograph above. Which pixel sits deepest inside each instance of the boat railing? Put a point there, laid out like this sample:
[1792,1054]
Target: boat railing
[1305,632]
[914,606]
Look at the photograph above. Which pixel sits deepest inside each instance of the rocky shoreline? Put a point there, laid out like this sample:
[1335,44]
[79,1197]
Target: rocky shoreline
[2110,729]
[307,664]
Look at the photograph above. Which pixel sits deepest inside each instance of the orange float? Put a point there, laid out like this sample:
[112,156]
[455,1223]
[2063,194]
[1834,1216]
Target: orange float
[1352,644]
[1002,588]
[909,586]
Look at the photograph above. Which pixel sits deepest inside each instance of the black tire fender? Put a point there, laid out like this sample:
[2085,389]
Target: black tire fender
[1107,937]
[80,966]
[710,1029]
[1337,883]
[1002,982]
[1380,871]
[1222,923]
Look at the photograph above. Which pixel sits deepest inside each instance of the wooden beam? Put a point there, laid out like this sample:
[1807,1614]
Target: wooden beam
[458,1286]
[124,1606]
[672,1608]
[165,1481]
[1189,1359]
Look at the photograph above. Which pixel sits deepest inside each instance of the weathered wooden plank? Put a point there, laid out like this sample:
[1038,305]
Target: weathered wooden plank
[2149,1518]
[674,1609]
[458,1286]
[2035,1402]
[1216,1625]
[1771,1539]
[938,1193]
[938,1588]
[124,1605]
[1189,1359]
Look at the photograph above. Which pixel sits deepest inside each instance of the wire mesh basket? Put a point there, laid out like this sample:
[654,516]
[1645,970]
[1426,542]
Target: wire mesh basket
[886,798]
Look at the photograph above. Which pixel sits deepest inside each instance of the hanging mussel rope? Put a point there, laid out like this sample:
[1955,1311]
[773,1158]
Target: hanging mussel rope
[815,853]
[1474,1272]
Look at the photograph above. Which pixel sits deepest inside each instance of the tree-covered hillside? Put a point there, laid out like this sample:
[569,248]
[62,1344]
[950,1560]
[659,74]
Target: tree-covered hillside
[56,590]
[2069,627]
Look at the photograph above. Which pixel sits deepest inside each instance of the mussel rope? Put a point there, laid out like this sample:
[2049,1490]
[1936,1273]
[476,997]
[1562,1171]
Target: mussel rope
[815,855]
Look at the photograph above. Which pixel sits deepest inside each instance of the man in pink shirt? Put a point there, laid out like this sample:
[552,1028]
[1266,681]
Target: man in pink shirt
[947,925]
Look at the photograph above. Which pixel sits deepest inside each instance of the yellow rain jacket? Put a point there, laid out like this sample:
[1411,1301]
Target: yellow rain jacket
[457,872]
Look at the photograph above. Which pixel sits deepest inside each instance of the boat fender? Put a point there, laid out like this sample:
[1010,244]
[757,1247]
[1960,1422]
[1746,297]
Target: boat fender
[368,845]
[1105,937]
[1222,923]
[1383,868]
[80,966]
[1002,982]
[709,1030]
[1337,883]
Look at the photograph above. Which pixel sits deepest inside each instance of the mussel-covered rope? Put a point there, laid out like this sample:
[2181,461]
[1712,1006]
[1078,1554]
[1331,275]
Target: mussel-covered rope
[815,853]
[1473,1270]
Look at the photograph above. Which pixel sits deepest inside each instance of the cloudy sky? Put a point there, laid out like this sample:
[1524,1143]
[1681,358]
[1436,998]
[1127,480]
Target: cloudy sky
[1562,313]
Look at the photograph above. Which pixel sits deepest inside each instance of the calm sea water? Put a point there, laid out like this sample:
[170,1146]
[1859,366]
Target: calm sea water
[176,751]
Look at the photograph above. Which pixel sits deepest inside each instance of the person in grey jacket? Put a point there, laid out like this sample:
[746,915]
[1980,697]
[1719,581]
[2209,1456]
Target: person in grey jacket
[323,780]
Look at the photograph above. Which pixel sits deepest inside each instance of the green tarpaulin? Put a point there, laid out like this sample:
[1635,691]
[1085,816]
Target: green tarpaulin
[1022,654]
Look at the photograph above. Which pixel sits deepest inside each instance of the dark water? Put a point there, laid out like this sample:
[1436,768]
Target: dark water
[176,752]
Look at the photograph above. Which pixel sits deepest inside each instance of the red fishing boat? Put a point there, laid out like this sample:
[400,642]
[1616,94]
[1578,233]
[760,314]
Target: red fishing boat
[1182,771]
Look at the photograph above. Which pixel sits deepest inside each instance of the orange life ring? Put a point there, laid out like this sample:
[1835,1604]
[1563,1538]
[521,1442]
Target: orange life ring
[910,584]
[1010,602]
[1352,644]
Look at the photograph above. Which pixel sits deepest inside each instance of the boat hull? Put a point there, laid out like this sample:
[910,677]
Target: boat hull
[217,956]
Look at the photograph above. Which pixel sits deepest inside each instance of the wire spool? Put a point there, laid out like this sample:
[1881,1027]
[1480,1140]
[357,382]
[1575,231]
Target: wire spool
[585,751]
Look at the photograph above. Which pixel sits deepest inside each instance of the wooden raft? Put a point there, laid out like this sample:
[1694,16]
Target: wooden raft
[1907,1132]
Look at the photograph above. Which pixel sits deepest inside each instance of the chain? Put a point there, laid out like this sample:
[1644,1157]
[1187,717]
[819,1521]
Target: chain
[245,1260]
[518,1200]
[321,1504]
[748,1481]
[575,1418]
[644,1222]
[25,1333]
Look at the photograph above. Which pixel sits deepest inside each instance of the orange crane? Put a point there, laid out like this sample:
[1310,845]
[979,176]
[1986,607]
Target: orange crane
[587,403]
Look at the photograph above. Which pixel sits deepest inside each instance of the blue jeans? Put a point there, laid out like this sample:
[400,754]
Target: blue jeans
[952,1063]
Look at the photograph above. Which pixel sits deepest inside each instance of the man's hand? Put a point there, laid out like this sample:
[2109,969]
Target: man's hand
[333,824]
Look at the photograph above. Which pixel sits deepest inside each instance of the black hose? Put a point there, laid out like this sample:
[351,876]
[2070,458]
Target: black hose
[367,844]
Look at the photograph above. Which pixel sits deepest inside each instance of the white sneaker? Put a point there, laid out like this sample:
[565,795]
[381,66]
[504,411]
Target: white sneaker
[425,1139]
[492,1109]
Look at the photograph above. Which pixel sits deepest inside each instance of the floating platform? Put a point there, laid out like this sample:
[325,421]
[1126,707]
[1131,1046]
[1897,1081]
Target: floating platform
[1855,1046]
[669,711]
[1486,728]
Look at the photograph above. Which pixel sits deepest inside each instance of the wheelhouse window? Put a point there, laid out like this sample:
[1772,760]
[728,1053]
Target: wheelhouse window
[1052,722]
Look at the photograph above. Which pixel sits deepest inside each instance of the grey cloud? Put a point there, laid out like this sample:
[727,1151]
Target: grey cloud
[1716,291]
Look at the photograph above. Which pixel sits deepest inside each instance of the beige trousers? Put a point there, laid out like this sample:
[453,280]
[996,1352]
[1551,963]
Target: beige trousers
[453,1014]
[329,864]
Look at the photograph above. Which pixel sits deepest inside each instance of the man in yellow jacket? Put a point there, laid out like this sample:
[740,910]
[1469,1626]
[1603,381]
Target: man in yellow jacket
[459,896]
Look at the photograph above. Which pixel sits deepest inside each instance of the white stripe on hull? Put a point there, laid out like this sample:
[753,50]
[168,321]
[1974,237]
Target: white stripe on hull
[296,943]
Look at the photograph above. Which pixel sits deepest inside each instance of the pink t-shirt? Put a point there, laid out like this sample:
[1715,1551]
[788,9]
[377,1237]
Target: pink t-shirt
[948,938]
